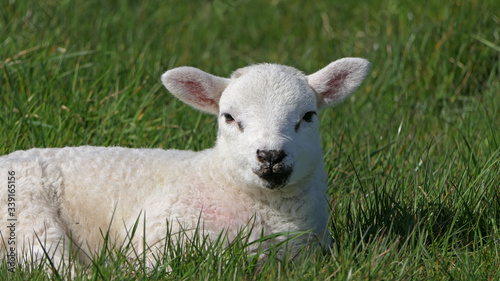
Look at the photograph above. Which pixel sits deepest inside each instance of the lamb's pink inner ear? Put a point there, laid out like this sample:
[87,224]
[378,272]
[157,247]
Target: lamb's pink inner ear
[338,80]
[199,89]
[335,86]
[199,94]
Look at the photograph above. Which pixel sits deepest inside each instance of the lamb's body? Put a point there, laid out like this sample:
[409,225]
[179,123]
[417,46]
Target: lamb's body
[265,172]
[81,190]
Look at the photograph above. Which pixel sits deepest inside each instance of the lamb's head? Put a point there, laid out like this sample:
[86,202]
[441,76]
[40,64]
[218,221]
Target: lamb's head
[268,116]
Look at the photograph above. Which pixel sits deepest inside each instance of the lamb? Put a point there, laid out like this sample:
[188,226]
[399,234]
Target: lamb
[266,168]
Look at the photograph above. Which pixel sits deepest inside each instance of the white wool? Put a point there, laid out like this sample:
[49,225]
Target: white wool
[262,110]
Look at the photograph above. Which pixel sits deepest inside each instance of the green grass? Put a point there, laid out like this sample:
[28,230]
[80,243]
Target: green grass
[413,157]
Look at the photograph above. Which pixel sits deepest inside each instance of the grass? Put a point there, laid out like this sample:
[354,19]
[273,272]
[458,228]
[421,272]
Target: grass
[413,157]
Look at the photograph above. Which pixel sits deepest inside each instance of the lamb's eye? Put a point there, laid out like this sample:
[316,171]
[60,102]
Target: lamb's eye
[308,116]
[230,120]
[228,117]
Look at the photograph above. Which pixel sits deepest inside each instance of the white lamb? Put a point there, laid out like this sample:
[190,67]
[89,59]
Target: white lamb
[266,168]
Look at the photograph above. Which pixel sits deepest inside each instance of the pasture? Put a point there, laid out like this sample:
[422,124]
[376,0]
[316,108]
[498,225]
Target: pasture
[413,157]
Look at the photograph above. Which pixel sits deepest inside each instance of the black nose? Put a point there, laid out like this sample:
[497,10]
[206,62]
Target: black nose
[270,157]
[272,169]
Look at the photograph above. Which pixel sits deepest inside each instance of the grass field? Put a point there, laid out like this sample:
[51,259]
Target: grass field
[413,157]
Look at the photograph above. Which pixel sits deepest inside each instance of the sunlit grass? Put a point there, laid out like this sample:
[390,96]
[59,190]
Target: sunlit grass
[413,157]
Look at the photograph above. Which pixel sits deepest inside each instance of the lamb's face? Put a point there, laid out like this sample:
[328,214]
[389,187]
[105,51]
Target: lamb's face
[268,115]
[268,125]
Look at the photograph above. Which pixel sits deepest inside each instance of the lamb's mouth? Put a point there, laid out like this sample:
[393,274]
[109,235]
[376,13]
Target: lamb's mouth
[274,177]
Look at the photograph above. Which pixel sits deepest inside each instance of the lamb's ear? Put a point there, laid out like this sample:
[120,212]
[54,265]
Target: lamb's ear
[197,88]
[338,80]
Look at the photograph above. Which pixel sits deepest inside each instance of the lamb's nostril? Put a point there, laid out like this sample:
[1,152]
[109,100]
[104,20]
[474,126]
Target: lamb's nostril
[270,157]
[262,155]
[278,168]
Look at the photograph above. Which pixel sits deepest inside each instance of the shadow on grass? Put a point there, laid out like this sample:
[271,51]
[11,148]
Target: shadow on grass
[468,220]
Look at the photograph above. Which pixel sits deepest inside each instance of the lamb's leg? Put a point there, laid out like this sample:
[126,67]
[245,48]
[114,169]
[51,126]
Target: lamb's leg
[46,241]
[31,225]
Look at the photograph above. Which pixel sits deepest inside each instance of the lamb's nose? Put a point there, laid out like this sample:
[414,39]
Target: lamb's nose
[270,157]
[272,169]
